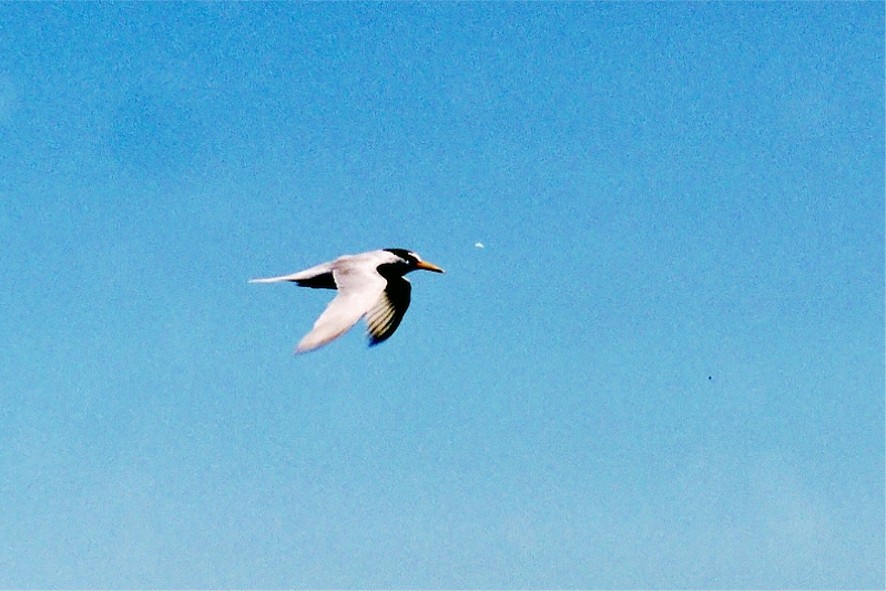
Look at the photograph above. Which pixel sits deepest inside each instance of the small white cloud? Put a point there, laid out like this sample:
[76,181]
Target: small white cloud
[479,245]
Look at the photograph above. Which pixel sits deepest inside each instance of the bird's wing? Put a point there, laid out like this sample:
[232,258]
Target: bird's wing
[359,288]
[385,316]
[319,276]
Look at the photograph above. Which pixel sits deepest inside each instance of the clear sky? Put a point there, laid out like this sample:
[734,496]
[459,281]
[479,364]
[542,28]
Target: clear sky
[664,370]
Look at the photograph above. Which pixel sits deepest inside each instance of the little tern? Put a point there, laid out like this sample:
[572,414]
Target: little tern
[370,284]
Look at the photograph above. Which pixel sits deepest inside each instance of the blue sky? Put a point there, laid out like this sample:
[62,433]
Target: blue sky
[665,370]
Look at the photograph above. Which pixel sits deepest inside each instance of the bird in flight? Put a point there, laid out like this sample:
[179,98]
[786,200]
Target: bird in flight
[370,284]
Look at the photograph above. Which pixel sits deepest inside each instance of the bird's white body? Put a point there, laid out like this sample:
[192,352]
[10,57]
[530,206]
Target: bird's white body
[370,285]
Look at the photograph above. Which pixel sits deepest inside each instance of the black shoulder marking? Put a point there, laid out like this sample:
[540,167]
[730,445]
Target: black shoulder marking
[324,281]
[392,271]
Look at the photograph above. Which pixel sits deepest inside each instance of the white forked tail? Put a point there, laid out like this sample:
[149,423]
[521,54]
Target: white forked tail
[292,277]
[306,274]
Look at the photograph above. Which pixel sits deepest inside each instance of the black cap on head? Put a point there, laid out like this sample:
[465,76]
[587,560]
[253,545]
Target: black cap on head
[406,255]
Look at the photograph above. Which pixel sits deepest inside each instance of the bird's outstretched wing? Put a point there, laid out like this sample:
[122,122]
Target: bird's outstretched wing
[359,288]
[319,276]
[385,316]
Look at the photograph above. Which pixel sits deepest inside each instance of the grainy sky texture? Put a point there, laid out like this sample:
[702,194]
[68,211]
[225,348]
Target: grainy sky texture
[663,370]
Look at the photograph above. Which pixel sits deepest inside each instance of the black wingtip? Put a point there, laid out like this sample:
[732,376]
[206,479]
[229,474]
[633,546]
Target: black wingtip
[375,340]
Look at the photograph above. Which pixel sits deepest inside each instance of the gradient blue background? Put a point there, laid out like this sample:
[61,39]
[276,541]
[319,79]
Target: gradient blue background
[665,370]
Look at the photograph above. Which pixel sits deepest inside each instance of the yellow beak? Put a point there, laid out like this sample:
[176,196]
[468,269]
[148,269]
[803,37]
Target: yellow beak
[429,267]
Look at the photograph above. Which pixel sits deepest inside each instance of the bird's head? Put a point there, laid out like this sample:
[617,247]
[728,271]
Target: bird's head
[412,261]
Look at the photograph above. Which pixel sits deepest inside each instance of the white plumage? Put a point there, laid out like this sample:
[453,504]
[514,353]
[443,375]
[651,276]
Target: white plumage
[370,285]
